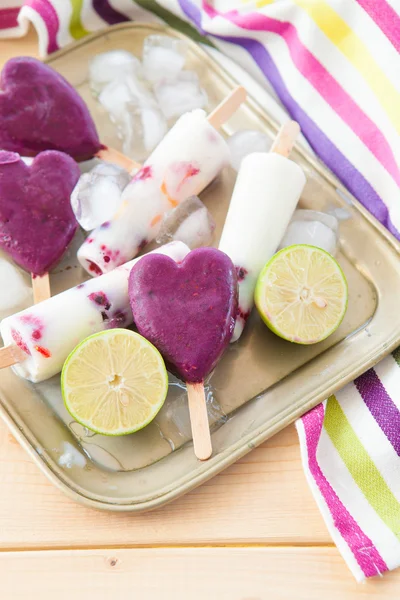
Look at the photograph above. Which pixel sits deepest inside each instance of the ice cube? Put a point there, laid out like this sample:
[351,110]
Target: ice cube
[190,222]
[163,57]
[121,92]
[180,95]
[97,195]
[303,214]
[71,457]
[108,66]
[314,228]
[14,290]
[246,142]
[141,128]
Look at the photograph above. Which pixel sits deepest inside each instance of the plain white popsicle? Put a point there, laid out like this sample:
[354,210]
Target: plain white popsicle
[267,190]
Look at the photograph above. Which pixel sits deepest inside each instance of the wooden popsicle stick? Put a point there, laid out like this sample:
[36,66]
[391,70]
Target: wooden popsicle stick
[117,158]
[199,420]
[285,139]
[227,107]
[11,355]
[40,288]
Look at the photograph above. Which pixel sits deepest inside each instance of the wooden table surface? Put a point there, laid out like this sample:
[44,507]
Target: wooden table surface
[254,532]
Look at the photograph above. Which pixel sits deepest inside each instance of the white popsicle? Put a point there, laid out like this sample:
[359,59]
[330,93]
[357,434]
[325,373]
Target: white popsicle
[44,334]
[189,157]
[266,193]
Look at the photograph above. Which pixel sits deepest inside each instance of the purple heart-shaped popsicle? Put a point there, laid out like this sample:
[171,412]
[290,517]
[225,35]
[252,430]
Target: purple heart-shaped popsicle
[36,219]
[186,310]
[40,110]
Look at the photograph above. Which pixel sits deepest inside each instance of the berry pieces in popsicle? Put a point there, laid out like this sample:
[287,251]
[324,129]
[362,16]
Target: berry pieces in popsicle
[40,110]
[36,219]
[186,310]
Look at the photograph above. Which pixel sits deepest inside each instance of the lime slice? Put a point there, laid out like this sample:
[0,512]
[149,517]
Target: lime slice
[114,382]
[301,294]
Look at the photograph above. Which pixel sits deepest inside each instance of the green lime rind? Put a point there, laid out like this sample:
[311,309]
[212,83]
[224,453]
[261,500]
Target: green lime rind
[87,424]
[260,293]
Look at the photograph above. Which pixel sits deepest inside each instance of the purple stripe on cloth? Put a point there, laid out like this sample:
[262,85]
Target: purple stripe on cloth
[364,551]
[46,10]
[325,149]
[108,13]
[381,406]
[326,85]
[8,18]
[385,17]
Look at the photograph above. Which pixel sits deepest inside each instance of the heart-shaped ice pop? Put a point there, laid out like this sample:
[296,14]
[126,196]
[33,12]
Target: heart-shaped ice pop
[188,312]
[40,110]
[36,218]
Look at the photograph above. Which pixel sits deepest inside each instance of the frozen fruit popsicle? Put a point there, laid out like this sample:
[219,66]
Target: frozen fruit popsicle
[38,340]
[36,220]
[40,110]
[266,193]
[190,156]
[187,311]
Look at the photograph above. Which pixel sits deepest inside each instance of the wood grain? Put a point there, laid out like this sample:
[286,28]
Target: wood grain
[193,574]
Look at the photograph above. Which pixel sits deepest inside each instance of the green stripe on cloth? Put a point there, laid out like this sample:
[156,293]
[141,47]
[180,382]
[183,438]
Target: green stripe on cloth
[361,466]
[173,21]
[76,28]
[396,356]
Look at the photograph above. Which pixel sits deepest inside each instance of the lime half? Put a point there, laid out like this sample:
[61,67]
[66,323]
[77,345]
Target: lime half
[114,382]
[301,294]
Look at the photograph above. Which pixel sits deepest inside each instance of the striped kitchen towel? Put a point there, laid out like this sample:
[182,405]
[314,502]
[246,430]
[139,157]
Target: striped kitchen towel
[335,66]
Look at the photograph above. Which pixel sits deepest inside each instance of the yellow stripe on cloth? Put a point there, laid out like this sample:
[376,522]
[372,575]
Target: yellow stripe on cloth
[358,54]
[258,3]
[76,27]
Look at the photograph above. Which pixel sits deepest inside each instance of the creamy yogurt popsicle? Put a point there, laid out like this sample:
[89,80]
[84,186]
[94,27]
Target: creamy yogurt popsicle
[190,156]
[49,331]
[40,110]
[265,196]
[187,311]
[36,219]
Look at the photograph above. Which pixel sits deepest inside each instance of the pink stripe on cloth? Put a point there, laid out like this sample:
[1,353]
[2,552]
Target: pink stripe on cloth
[359,543]
[8,18]
[46,10]
[325,84]
[385,17]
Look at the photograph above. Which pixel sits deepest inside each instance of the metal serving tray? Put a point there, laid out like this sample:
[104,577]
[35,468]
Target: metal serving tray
[262,383]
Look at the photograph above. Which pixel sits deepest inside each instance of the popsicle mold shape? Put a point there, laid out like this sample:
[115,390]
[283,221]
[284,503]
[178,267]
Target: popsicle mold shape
[266,193]
[186,310]
[190,156]
[40,110]
[36,220]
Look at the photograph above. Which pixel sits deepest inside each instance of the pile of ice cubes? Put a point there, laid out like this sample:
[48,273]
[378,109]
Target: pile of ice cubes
[143,97]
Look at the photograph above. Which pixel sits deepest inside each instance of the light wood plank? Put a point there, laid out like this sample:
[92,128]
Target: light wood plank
[262,498]
[195,574]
